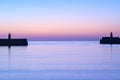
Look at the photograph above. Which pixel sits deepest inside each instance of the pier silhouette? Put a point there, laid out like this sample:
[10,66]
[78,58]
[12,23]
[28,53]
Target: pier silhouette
[13,42]
[110,40]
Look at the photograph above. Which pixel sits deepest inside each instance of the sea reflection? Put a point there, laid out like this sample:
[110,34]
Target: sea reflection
[9,55]
[111,52]
[60,60]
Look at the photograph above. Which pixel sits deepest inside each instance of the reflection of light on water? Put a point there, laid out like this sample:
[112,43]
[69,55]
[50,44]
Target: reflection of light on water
[60,61]
[14,53]
[111,53]
[9,61]
[9,58]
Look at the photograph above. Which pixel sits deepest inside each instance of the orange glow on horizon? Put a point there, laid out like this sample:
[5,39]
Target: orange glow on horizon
[58,28]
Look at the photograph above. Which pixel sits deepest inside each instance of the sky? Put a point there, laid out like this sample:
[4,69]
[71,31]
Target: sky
[59,19]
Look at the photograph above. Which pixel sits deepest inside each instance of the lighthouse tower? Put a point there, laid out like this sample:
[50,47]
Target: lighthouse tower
[9,36]
[111,35]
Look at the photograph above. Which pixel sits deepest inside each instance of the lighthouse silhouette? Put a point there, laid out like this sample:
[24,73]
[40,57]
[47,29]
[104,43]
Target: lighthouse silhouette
[9,36]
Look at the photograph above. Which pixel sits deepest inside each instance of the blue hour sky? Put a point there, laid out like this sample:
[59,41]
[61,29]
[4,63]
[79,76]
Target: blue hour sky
[59,19]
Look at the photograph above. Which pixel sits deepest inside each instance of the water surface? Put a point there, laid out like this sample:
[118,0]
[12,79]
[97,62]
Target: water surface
[60,60]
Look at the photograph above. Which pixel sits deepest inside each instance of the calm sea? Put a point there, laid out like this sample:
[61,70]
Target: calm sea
[60,60]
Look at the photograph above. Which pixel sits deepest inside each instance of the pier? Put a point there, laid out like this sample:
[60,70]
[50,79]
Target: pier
[110,40]
[13,42]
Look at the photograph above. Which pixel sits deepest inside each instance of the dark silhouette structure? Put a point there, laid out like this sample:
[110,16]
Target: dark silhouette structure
[13,42]
[110,40]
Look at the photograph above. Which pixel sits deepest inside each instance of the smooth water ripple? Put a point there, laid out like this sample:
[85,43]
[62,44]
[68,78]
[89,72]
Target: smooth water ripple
[60,60]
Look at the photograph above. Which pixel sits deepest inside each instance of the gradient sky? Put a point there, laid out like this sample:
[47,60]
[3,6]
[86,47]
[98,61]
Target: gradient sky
[59,19]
